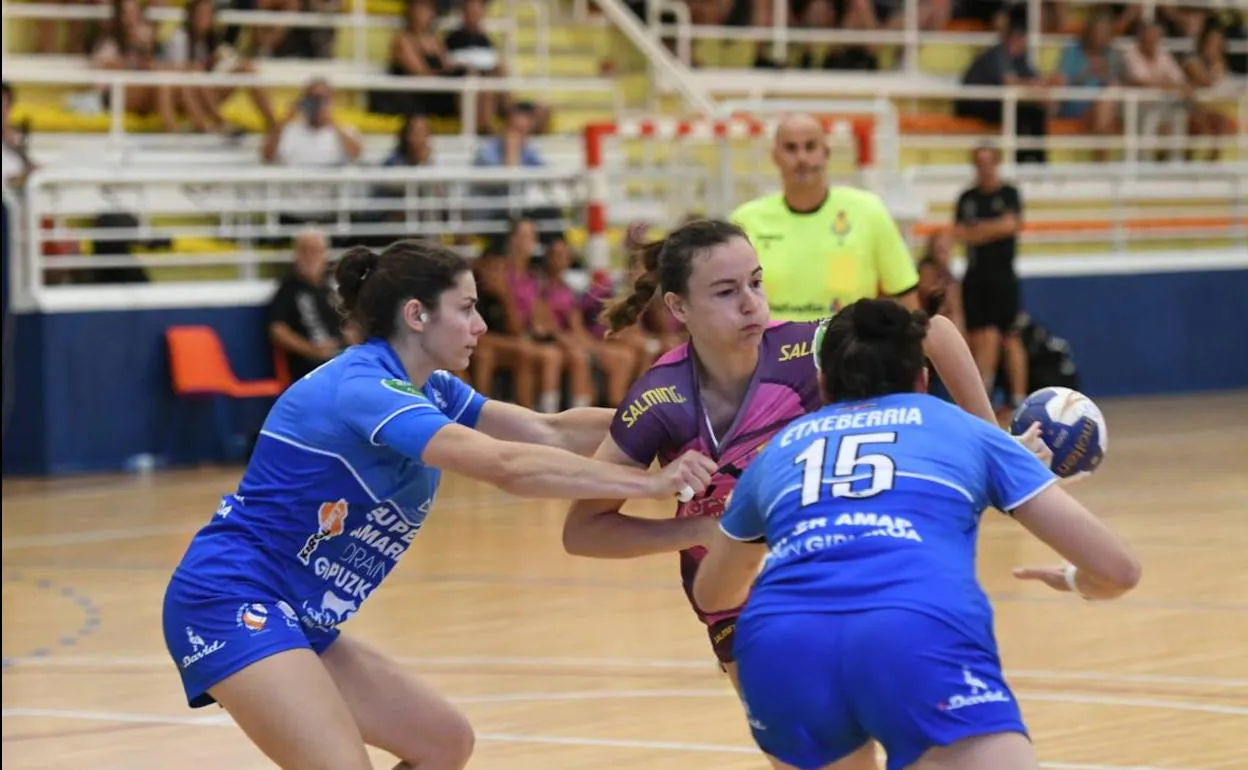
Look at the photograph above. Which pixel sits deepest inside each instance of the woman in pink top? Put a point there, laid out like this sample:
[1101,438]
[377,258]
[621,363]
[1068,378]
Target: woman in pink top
[1207,71]
[617,361]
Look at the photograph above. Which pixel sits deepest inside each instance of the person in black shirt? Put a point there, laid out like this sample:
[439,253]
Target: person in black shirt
[988,218]
[304,325]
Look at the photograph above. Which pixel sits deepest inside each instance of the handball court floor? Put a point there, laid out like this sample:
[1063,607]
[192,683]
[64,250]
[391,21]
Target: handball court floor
[569,663]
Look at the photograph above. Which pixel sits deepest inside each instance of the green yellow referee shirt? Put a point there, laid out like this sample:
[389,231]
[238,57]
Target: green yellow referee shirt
[816,263]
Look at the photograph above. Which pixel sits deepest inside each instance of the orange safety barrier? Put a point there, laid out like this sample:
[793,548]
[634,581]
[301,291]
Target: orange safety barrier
[1213,224]
[200,367]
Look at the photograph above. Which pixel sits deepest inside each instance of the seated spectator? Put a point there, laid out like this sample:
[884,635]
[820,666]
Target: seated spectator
[1178,22]
[617,361]
[1008,64]
[506,346]
[310,137]
[126,43]
[538,323]
[416,50]
[1148,65]
[304,326]
[822,14]
[17,164]
[1208,73]
[198,46]
[1091,62]
[47,31]
[471,48]
[511,148]
[294,42]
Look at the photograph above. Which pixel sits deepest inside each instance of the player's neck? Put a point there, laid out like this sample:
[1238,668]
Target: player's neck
[415,362]
[727,374]
[805,199]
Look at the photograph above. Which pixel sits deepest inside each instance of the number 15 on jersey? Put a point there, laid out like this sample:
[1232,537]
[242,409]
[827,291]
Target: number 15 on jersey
[853,465]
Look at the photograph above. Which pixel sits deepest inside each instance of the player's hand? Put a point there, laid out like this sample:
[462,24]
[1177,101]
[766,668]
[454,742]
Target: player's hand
[1053,577]
[1032,442]
[691,471]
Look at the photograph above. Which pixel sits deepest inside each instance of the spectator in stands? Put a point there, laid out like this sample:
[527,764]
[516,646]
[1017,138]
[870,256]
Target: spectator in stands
[127,43]
[1208,73]
[16,164]
[523,286]
[295,42]
[825,14]
[511,148]
[939,290]
[304,325]
[46,31]
[1177,22]
[988,219]
[417,50]
[1008,64]
[1149,65]
[471,48]
[1090,62]
[617,361]
[198,46]
[311,137]
[412,148]
[506,344]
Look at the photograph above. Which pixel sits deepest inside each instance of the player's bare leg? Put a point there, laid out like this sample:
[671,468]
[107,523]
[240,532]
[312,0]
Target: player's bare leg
[1016,367]
[288,705]
[985,347]
[999,751]
[861,759]
[396,711]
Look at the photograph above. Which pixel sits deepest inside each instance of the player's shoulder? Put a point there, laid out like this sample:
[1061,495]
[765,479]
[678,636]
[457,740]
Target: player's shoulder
[790,341]
[665,386]
[844,196]
[766,206]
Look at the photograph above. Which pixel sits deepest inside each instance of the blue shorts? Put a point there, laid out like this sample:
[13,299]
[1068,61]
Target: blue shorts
[818,686]
[213,634]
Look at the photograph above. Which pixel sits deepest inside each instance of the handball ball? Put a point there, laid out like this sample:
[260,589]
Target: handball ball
[1070,424]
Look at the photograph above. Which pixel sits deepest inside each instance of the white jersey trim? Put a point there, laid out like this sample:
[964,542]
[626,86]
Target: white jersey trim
[325,453]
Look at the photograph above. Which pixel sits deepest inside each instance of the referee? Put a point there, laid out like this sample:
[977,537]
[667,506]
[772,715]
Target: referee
[822,247]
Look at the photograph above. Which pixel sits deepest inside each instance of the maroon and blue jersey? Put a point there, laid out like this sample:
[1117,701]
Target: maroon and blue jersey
[663,418]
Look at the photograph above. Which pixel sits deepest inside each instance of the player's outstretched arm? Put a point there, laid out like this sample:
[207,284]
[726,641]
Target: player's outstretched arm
[952,358]
[597,529]
[578,430]
[1104,566]
[532,470]
[724,577]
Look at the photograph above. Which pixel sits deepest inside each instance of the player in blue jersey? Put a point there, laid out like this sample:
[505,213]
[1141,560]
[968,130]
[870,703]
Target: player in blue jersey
[340,482]
[866,620]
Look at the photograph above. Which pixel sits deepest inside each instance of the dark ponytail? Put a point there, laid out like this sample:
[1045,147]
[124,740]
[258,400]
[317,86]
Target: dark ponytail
[872,348]
[666,266]
[373,287]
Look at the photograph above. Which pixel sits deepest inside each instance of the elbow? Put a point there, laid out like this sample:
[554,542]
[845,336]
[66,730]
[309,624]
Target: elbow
[710,596]
[503,468]
[1126,573]
[573,543]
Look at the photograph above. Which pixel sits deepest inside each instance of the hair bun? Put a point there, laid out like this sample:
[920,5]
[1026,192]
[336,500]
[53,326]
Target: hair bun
[875,321]
[354,267]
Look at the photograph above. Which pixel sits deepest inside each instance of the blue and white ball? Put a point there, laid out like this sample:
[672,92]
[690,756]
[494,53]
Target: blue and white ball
[1071,425]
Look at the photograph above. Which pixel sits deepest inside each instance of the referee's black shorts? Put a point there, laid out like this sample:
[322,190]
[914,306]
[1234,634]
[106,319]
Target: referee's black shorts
[991,300]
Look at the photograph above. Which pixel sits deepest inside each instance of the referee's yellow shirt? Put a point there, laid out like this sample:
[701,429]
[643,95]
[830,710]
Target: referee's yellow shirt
[816,263]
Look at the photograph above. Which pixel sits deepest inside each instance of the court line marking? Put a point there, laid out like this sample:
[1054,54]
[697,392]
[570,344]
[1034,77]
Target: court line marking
[105,661]
[223,720]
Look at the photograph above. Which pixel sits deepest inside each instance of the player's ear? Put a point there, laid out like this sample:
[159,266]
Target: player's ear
[823,387]
[921,384]
[677,306]
[414,315]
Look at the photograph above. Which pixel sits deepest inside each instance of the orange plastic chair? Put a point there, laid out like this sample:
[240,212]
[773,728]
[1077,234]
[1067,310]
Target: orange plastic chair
[200,367]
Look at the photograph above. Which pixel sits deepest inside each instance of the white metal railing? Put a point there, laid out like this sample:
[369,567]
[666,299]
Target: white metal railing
[793,85]
[356,20]
[118,81]
[909,37]
[252,211]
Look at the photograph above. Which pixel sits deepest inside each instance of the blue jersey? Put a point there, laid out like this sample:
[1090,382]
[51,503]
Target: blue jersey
[875,505]
[335,490]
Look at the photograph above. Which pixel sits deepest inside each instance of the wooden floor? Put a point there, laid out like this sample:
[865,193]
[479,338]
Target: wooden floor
[567,663]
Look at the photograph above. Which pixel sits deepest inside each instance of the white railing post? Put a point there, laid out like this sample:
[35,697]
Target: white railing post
[780,32]
[359,30]
[1131,128]
[511,46]
[1009,126]
[117,113]
[1035,27]
[911,54]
